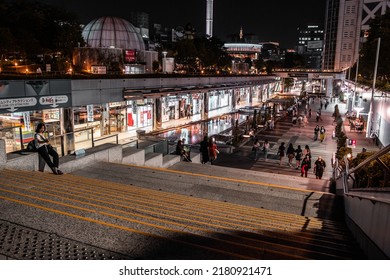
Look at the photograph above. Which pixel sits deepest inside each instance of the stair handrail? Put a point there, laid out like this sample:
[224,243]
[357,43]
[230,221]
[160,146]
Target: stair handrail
[348,172]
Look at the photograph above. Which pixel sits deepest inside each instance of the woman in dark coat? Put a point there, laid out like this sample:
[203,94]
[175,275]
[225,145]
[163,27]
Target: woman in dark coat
[281,152]
[305,166]
[204,149]
[319,167]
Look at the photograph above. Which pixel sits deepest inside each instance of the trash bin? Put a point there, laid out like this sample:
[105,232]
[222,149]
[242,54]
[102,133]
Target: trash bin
[140,134]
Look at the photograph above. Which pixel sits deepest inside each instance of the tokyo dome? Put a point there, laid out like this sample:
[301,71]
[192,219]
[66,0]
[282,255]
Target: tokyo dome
[112,32]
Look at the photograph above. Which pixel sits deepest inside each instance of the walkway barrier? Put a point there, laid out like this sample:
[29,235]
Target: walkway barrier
[370,226]
[15,138]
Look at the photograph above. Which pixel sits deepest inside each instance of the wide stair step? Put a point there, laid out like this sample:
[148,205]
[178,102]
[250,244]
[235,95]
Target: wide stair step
[180,224]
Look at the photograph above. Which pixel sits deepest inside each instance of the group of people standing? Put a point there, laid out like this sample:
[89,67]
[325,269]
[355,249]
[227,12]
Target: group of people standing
[258,147]
[321,131]
[208,149]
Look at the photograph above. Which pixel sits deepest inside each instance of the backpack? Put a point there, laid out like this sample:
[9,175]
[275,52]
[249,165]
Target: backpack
[32,146]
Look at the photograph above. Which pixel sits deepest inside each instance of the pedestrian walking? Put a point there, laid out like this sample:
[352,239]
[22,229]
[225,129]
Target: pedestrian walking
[309,113]
[256,148]
[294,120]
[300,120]
[266,149]
[322,133]
[307,152]
[272,124]
[290,154]
[305,166]
[305,121]
[316,131]
[298,157]
[281,152]
[319,167]
[213,151]
[204,150]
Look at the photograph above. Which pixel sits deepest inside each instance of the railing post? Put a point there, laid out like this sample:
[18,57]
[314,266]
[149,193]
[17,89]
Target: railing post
[62,145]
[21,138]
[93,141]
[117,139]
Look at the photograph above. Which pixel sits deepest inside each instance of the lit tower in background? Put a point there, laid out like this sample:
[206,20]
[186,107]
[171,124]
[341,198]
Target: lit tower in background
[209,18]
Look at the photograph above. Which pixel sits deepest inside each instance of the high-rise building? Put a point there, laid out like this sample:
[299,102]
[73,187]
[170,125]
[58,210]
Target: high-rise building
[310,45]
[139,19]
[346,26]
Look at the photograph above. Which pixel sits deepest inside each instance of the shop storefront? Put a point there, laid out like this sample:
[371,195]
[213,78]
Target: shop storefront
[220,102]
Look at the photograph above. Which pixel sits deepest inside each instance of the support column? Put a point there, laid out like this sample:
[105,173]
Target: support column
[205,109]
[3,153]
[157,122]
[67,127]
[105,123]
[329,87]
[250,96]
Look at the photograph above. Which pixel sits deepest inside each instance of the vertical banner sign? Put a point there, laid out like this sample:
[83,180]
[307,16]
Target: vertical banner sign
[90,113]
[26,120]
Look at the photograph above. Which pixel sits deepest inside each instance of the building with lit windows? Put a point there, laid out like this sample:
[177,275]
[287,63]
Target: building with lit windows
[310,45]
[346,26]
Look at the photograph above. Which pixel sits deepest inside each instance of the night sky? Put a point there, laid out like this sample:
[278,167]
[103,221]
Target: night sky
[271,20]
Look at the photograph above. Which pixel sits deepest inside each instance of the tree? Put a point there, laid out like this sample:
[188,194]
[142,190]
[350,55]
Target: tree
[379,28]
[33,28]
[288,83]
[185,53]
[371,175]
[294,60]
[260,65]
[211,53]
[205,53]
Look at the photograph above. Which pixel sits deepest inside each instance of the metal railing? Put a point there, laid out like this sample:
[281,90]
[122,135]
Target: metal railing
[349,174]
[91,141]
[17,140]
[10,134]
[159,146]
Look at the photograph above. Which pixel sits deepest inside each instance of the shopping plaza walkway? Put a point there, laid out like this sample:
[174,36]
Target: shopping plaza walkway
[285,131]
[238,208]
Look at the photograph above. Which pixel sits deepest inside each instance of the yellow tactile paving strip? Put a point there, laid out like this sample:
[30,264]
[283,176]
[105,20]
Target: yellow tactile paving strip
[77,197]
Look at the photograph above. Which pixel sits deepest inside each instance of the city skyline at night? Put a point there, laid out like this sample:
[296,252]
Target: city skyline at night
[270,21]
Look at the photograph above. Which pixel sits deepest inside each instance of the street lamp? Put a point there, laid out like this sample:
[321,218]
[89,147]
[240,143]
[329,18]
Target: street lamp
[164,65]
[347,94]
[358,110]
[370,112]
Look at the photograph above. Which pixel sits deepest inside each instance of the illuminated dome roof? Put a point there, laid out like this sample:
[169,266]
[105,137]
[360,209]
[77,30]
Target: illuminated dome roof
[106,32]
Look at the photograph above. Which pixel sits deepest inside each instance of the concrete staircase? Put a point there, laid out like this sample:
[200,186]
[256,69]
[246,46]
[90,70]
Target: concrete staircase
[23,160]
[153,213]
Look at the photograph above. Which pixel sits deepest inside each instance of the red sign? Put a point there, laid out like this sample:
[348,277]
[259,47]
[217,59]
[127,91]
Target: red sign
[130,56]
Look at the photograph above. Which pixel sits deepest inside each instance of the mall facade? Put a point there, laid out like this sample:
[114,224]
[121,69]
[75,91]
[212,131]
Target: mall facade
[94,108]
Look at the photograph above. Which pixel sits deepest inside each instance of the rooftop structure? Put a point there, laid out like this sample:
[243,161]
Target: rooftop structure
[112,32]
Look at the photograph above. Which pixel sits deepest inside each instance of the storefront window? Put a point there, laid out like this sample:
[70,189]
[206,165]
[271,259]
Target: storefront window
[219,99]
[145,114]
[131,115]
[117,117]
